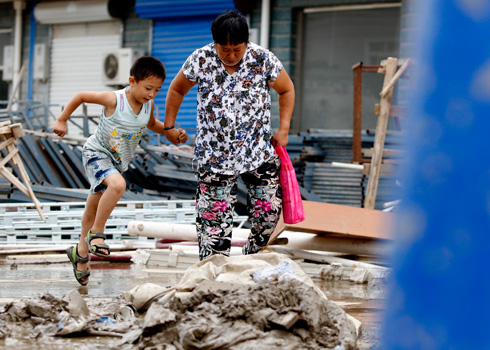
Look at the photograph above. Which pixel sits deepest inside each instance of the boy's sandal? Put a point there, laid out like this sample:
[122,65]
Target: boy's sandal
[95,249]
[81,276]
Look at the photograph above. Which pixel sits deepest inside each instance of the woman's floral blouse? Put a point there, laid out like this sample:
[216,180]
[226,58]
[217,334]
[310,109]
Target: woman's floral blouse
[233,110]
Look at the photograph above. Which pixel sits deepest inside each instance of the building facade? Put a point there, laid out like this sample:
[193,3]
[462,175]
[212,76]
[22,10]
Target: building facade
[68,46]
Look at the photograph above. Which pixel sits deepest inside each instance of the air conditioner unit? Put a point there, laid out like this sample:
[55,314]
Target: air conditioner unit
[116,65]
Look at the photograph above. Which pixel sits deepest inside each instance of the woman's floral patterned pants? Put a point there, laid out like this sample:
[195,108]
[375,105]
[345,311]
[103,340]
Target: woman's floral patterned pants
[216,198]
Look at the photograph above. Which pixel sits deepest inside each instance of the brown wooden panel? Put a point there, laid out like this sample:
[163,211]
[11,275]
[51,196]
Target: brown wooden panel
[334,219]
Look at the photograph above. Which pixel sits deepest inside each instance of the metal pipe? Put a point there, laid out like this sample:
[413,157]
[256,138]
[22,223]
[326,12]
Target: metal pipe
[32,43]
[356,132]
[19,6]
[183,232]
[265,23]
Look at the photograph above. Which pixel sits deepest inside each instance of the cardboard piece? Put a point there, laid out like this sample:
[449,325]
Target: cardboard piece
[327,219]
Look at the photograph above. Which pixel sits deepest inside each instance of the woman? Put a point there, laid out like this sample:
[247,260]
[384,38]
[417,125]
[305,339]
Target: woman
[234,136]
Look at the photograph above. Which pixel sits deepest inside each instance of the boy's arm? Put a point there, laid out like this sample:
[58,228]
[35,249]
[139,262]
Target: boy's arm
[156,125]
[179,87]
[104,98]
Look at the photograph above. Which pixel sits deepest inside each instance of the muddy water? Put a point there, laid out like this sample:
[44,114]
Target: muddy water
[362,301]
[109,280]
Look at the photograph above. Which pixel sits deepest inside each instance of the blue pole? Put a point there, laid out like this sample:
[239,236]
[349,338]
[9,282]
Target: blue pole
[32,42]
[439,297]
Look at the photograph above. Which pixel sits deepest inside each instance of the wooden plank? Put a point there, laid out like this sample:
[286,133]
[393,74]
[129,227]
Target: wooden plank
[9,156]
[16,182]
[389,86]
[5,130]
[24,176]
[27,183]
[7,143]
[17,130]
[379,138]
[13,156]
[341,220]
[54,136]
[395,111]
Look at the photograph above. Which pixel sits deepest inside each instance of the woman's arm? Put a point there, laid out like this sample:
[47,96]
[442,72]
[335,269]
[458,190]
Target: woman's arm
[285,88]
[179,87]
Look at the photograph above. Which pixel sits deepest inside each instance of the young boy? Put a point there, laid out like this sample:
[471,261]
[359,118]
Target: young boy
[107,153]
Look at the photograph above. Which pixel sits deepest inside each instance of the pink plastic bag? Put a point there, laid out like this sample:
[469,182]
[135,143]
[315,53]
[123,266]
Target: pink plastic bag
[292,205]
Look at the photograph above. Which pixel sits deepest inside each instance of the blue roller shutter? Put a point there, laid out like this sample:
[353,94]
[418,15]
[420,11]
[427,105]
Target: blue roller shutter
[183,8]
[179,28]
[173,42]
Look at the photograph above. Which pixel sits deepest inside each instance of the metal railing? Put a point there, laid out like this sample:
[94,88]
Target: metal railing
[20,223]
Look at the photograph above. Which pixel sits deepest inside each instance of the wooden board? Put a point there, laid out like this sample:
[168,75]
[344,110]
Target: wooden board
[341,220]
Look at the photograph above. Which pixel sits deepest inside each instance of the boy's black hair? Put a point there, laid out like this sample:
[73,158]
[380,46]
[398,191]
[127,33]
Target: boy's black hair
[146,67]
[230,27]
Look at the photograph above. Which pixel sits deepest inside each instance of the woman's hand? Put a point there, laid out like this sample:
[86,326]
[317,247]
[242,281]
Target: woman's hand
[280,138]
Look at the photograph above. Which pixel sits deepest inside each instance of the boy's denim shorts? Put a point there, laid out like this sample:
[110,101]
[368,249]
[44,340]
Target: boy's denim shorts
[98,166]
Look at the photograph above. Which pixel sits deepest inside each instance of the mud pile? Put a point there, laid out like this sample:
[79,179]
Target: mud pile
[256,302]
[246,302]
[220,315]
[47,320]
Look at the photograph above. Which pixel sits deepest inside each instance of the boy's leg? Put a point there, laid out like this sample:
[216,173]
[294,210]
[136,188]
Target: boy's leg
[88,220]
[216,197]
[116,186]
[264,204]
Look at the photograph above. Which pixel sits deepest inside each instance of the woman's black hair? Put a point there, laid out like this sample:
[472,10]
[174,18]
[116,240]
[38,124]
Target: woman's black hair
[146,67]
[230,27]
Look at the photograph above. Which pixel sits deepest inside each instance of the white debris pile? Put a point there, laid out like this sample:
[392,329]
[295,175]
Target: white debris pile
[242,302]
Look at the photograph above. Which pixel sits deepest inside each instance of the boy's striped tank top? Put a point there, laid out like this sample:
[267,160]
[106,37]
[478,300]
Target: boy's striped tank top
[120,134]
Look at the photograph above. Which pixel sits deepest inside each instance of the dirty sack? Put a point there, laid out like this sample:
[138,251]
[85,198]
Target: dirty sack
[262,301]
